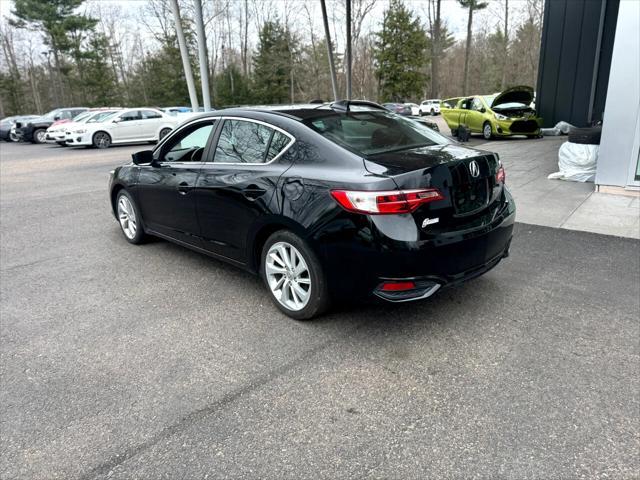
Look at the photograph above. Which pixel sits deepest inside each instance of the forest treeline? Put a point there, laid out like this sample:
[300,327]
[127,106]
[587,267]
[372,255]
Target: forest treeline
[77,53]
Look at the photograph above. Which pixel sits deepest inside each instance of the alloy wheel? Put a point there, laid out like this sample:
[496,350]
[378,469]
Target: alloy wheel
[288,276]
[486,131]
[41,136]
[101,140]
[127,217]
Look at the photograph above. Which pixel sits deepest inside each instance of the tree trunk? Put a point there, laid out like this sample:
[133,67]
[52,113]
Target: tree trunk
[436,52]
[505,53]
[245,69]
[465,81]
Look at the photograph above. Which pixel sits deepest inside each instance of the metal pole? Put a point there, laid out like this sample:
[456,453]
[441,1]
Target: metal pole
[348,49]
[202,56]
[193,96]
[332,68]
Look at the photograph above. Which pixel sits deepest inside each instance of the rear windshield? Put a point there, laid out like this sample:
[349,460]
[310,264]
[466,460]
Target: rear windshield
[374,132]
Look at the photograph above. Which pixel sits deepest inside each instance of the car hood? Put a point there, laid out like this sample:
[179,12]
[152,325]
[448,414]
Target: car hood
[396,163]
[521,94]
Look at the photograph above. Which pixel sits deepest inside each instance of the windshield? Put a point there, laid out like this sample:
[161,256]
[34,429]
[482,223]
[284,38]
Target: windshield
[82,117]
[51,114]
[374,132]
[99,117]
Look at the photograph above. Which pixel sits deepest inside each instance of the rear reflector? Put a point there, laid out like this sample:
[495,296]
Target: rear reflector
[397,286]
[387,202]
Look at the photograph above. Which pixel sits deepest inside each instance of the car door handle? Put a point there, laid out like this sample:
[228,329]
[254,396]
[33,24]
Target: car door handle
[184,188]
[253,192]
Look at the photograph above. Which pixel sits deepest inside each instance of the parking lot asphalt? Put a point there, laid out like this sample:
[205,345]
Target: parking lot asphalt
[122,361]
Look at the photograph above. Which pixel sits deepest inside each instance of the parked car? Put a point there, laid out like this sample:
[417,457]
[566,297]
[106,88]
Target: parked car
[415,108]
[175,110]
[498,115]
[7,123]
[57,133]
[430,107]
[427,123]
[323,202]
[35,130]
[132,125]
[399,108]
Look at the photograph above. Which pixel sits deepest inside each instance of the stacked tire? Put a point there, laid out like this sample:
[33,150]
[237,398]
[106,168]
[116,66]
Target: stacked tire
[585,136]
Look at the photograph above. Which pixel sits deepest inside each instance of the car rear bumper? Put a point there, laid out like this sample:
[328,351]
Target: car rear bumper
[361,263]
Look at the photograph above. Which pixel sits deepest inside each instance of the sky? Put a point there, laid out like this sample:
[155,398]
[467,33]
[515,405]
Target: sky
[454,15]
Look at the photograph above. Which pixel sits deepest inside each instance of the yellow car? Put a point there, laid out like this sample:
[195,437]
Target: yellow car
[498,115]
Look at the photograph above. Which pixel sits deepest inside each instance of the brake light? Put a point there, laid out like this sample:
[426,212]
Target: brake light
[500,175]
[387,202]
[397,286]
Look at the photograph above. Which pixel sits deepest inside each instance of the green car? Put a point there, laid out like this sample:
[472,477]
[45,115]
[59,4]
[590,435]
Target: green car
[498,115]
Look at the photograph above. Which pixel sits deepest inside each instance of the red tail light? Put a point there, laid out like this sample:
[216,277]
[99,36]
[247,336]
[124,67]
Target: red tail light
[397,286]
[388,202]
[500,175]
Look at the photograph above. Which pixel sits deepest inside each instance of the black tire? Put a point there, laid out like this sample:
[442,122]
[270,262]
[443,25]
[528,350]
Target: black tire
[39,135]
[433,112]
[454,132]
[422,114]
[319,296]
[101,140]
[62,144]
[586,136]
[139,236]
[163,133]
[487,133]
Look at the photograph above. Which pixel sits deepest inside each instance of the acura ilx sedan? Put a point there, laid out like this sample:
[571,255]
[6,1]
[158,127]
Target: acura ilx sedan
[324,202]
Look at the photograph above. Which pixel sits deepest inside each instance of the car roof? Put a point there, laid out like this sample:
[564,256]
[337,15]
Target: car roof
[299,112]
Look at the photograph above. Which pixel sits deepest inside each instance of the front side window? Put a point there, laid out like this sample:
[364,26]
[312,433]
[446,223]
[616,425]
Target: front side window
[243,141]
[374,132]
[476,104]
[189,144]
[130,116]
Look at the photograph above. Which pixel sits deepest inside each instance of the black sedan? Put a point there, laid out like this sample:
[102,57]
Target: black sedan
[323,202]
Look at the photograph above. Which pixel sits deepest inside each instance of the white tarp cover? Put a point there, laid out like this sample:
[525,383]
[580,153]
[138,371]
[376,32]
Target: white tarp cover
[576,162]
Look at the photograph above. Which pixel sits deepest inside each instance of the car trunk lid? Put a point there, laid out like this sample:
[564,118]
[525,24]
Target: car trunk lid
[466,177]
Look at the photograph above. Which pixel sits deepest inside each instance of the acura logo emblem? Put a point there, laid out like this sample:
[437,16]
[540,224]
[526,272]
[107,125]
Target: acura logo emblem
[474,168]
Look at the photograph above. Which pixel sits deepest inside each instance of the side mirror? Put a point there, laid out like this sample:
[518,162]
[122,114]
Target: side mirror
[483,110]
[145,157]
[57,117]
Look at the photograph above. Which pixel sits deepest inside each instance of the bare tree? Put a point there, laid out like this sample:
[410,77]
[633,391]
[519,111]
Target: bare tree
[471,5]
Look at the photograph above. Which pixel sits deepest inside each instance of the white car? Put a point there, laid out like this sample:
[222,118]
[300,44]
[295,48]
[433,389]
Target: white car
[415,109]
[430,107]
[131,125]
[57,133]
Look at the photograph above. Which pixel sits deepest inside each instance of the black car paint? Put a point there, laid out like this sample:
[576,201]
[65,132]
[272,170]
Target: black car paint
[228,211]
[26,130]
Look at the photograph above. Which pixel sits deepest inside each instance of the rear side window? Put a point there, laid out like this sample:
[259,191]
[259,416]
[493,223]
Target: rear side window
[279,142]
[150,114]
[243,141]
